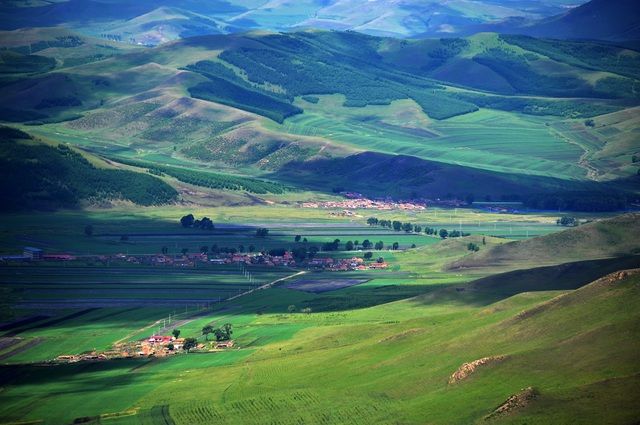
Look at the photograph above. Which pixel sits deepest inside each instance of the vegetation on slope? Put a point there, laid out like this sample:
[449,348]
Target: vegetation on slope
[376,174]
[601,239]
[209,179]
[34,175]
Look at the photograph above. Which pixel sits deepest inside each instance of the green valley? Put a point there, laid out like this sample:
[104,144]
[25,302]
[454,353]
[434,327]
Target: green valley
[319,212]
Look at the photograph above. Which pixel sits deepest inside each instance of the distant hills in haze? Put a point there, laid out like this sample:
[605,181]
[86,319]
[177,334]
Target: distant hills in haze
[616,20]
[154,22]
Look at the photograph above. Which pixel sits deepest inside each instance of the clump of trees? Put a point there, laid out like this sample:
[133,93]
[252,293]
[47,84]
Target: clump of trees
[204,223]
[189,343]
[222,333]
[567,221]
[473,247]
[262,232]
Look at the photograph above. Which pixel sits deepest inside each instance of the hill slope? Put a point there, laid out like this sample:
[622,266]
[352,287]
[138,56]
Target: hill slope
[602,239]
[38,176]
[615,20]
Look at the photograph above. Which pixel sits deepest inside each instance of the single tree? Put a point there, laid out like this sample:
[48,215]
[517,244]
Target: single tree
[184,251]
[227,328]
[252,248]
[380,260]
[291,308]
[165,250]
[397,226]
[189,343]
[206,224]
[379,246]
[204,249]
[443,233]
[372,221]
[241,248]
[395,246]
[299,253]
[368,255]
[206,330]
[175,333]
[297,238]
[366,244]
[262,232]
[187,220]
[348,246]
[88,230]
[484,241]
[417,228]
[407,227]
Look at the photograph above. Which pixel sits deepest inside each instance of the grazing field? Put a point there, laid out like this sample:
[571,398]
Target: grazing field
[488,139]
[148,230]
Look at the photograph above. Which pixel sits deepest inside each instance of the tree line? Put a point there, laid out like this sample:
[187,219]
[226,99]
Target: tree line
[415,228]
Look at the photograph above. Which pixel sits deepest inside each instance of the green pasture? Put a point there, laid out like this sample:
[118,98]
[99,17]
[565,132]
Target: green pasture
[488,139]
[148,230]
[343,360]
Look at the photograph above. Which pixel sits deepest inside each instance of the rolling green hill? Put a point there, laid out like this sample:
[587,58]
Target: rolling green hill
[259,104]
[602,239]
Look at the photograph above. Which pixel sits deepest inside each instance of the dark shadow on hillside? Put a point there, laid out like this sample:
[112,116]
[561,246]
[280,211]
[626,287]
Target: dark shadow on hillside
[26,374]
[401,176]
[563,277]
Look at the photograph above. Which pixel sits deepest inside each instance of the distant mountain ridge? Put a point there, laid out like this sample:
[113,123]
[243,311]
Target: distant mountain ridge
[155,22]
[616,20]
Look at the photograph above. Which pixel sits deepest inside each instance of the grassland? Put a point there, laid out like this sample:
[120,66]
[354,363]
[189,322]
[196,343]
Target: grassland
[389,343]
[377,100]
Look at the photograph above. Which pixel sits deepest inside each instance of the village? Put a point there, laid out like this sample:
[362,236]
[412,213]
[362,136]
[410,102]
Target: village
[287,259]
[364,203]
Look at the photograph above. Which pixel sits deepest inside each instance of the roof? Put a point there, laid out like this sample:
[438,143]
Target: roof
[32,249]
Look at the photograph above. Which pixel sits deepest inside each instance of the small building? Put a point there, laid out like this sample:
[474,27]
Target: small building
[160,339]
[59,257]
[224,344]
[33,254]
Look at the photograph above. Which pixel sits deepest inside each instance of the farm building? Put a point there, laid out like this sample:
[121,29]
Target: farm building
[33,254]
[224,344]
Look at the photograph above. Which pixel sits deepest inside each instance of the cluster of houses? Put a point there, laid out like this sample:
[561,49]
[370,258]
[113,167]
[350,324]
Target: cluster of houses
[365,203]
[155,345]
[36,254]
[345,264]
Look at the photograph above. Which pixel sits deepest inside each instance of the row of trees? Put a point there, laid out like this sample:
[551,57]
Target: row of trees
[415,228]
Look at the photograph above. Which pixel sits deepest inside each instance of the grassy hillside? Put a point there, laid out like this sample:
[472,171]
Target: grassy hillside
[383,364]
[602,239]
[254,115]
[39,176]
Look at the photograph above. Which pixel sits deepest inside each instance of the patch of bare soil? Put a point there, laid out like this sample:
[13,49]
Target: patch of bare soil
[467,369]
[514,402]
